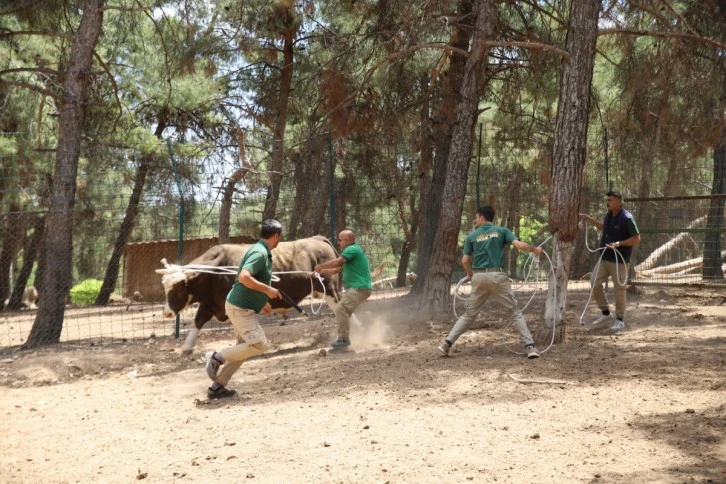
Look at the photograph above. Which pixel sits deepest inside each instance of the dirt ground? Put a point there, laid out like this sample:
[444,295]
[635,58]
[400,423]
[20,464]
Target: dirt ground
[645,405]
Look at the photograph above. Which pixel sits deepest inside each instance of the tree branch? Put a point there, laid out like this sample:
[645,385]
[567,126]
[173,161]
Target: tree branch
[680,17]
[20,6]
[676,35]
[31,69]
[531,45]
[113,82]
[31,87]
[527,381]
[125,9]
[447,47]
[12,33]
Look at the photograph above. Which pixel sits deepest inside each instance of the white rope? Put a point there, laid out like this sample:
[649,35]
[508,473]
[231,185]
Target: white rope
[597,268]
[210,269]
[536,287]
[313,275]
[532,262]
[225,270]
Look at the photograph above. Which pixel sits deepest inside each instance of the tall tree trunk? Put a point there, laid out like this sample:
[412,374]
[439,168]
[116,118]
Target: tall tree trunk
[438,278]
[278,142]
[569,158]
[420,199]
[514,212]
[443,128]
[652,129]
[127,225]
[715,221]
[403,261]
[12,241]
[311,190]
[57,279]
[29,257]
[225,210]
[409,230]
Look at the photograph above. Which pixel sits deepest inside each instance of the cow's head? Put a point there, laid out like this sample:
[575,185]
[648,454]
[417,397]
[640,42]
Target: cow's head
[175,280]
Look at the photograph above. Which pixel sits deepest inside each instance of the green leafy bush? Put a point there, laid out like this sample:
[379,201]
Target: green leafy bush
[86,292]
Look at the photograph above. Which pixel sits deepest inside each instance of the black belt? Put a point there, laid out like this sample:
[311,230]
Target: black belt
[488,269]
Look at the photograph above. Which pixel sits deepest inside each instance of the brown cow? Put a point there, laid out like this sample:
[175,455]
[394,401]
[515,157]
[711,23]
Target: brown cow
[191,284]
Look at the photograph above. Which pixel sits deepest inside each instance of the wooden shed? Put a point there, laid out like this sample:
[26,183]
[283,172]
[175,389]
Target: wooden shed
[141,259]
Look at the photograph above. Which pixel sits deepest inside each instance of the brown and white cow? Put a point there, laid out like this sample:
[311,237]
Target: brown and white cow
[188,285]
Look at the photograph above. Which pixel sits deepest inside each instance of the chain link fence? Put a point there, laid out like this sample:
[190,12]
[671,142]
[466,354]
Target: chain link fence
[140,203]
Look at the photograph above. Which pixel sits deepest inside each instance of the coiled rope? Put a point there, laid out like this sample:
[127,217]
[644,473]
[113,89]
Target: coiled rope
[596,269]
[532,263]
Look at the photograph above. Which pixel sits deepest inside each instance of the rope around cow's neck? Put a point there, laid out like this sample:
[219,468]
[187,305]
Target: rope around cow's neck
[232,270]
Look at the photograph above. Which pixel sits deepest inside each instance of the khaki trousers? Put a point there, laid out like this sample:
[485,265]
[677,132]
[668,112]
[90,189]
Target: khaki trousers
[495,285]
[352,298]
[251,341]
[616,270]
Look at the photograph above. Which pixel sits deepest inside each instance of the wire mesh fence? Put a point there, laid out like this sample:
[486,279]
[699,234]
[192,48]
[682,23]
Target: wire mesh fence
[136,204]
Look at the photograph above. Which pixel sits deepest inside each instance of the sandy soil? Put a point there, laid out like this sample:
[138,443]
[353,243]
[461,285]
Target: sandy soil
[645,405]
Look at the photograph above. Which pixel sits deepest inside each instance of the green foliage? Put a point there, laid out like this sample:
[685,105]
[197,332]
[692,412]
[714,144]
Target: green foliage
[204,69]
[8,146]
[530,229]
[85,293]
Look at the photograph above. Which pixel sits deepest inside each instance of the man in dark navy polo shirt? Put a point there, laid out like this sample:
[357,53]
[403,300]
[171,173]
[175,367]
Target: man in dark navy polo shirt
[619,234]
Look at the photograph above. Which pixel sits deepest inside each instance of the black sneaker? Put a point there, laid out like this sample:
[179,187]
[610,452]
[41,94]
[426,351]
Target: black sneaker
[340,344]
[220,392]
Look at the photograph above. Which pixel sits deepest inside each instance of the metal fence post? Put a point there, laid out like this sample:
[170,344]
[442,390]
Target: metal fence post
[180,242]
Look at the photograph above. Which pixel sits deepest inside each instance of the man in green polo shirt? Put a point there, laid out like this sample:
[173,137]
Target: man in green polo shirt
[356,279]
[249,295]
[482,261]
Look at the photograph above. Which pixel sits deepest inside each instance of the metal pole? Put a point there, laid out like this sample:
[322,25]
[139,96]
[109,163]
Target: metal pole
[180,240]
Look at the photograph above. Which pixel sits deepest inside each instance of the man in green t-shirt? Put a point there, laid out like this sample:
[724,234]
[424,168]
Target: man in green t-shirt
[356,279]
[482,261]
[249,295]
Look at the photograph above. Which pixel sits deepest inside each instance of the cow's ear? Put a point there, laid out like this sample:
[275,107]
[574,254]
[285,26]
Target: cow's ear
[162,271]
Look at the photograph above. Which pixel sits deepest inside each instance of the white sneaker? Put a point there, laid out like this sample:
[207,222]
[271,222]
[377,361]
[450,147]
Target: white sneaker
[532,352]
[618,325]
[604,318]
[444,348]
